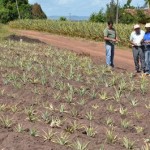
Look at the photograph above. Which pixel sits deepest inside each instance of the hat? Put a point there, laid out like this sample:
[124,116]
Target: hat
[136,26]
[147,25]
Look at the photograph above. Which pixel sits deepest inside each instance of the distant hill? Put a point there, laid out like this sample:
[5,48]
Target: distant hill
[73,18]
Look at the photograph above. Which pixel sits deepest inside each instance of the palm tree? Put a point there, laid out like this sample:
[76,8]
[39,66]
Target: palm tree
[147,2]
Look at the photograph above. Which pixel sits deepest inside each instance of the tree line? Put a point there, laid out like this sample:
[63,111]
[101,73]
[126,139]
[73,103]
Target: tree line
[126,14]
[14,9]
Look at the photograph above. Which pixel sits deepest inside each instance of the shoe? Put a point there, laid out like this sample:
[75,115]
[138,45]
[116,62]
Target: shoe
[137,71]
[146,73]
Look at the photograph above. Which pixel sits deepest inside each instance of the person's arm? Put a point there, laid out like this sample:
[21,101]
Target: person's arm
[109,39]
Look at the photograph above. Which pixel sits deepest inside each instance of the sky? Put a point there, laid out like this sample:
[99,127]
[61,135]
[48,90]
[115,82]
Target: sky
[76,7]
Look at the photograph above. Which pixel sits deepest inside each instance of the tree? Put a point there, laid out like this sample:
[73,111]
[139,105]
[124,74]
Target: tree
[128,4]
[63,19]
[37,12]
[98,17]
[147,2]
[111,11]
[14,9]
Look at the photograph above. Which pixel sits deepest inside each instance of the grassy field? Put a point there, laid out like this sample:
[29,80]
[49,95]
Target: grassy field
[56,99]
[88,30]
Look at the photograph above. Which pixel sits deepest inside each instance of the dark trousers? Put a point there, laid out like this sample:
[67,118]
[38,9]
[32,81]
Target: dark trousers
[138,55]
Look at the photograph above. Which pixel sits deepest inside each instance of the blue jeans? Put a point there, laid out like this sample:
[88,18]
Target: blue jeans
[147,61]
[110,48]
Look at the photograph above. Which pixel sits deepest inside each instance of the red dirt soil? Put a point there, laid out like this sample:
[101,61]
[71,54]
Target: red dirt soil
[123,58]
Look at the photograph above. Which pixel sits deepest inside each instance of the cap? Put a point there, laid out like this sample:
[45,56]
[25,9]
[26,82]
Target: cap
[136,26]
[147,25]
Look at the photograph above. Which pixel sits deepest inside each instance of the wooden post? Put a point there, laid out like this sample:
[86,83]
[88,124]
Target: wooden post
[18,9]
[117,12]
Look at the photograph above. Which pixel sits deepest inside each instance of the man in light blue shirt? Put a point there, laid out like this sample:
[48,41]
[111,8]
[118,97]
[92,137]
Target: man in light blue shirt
[146,41]
[138,49]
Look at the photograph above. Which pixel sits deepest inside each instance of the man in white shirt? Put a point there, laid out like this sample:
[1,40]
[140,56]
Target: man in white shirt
[138,49]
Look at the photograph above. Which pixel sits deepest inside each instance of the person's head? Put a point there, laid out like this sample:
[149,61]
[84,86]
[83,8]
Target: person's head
[110,24]
[137,28]
[147,27]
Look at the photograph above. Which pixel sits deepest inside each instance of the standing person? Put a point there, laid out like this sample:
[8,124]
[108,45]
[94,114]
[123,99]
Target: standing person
[146,41]
[110,41]
[136,38]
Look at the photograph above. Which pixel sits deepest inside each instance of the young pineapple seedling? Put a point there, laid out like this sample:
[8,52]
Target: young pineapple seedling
[147,106]
[110,136]
[19,128]
[57,95]
[109,121]
[46,117]
[132,86]
[125,124]
[31,115]
[111,108]
[117,95]
[73,127]
[146,147]
[81,102]
[89,115]
[90,131]
[103,96]
[69,97]
[78,145]
[123,111]
[56,122]
[82,91]
[62,108]
[139,129]
[49,106]
[138,115]
[122,85]
[48,135]
[3,107]
[74,112]
[6,122]
[102,147]
[62,139]
[134,102]
[2,92]
[93,94]
[34,132]
[95,106]
[14,108]
[127,143]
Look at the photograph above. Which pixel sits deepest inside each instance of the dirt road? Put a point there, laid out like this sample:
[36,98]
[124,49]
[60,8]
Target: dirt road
[123,58]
